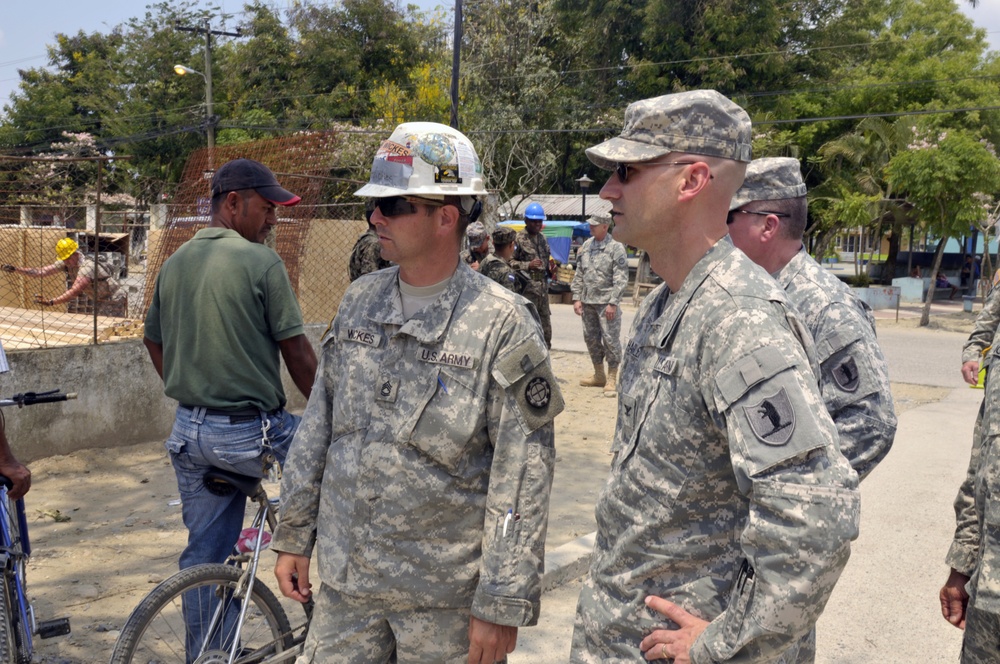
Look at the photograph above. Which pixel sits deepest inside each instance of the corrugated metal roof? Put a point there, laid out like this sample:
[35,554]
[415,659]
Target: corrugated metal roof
[558,206]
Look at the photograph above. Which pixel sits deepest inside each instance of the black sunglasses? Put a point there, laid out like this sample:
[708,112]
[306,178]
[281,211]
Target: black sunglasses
[621,168]
[397,206]
[729,218]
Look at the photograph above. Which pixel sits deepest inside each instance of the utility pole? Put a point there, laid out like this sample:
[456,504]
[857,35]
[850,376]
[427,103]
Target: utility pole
[455,59]
[210,119]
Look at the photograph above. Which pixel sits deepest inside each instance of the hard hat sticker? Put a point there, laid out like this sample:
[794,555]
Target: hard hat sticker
[446,175]
[437,150]
[390,149]
[391,173]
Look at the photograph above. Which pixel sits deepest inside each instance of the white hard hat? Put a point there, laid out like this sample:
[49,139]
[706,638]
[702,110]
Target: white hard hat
[425,159]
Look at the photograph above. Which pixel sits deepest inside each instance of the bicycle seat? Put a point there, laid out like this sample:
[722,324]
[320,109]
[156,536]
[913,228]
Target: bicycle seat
[216,481]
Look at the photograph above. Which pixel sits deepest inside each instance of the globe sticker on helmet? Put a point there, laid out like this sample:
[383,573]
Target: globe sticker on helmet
[439,151]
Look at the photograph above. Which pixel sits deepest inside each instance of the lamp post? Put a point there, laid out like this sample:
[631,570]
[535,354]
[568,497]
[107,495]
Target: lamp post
[181,70]
[584,183]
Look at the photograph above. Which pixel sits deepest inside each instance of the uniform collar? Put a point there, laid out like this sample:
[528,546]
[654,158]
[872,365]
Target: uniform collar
[678,302]
[428,325]
[787,274]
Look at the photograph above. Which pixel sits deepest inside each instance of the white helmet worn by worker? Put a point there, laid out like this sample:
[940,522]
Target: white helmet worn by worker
[427,160]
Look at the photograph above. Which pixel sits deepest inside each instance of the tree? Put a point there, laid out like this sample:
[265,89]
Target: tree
[945,175]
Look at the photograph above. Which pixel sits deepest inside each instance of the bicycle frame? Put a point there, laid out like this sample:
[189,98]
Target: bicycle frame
[13,558]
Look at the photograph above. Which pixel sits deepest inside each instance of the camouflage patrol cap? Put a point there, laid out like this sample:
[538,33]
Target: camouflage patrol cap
[697,122]
[770,179]
[476,233]
[599,219]
[503,235]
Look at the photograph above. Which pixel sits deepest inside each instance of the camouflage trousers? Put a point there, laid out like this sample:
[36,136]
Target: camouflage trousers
[981,641]
[538,295]
[354,630]
[602,336]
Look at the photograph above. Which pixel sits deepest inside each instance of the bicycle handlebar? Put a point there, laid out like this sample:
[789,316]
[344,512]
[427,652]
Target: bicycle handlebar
[31,398]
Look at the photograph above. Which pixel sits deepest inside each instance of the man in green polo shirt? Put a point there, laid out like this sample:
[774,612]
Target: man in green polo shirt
[222,312]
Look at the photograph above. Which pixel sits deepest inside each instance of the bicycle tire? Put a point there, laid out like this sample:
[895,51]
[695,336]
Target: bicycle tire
[155,631]
[8,649]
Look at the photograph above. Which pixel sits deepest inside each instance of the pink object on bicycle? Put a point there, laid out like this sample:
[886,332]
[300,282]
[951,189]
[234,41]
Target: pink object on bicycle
[248,539]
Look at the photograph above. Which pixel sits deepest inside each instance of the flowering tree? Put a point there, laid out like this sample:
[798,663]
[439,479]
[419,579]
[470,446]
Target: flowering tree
[947,176]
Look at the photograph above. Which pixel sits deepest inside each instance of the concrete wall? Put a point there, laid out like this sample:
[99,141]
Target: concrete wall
[120,402]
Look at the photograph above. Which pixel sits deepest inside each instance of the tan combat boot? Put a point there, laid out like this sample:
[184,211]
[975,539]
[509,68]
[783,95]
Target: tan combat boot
[611,387]
[598,379]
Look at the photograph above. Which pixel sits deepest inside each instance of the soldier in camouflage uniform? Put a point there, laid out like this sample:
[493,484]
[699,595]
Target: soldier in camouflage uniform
[496,266]
[478,246]
[424,462]
[598,285]
[766,220]
[729,511]
[532,257]
[970,598]
[366,256]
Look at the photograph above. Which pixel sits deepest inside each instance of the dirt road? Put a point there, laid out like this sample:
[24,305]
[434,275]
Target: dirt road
[124,530]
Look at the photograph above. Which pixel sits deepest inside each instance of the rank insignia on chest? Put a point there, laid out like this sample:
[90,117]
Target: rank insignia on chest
[846,375]
[772,419]
[538,392]
[387,388]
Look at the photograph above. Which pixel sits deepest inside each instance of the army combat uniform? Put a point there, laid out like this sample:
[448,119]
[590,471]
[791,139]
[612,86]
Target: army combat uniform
[422,468]
[854,376]
[600,279]
[530,247]
[366,256]
[727,495]
[975,548]
[499,271]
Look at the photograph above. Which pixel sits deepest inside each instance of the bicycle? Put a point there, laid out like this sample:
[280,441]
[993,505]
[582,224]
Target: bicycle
[261,633]
[17,615]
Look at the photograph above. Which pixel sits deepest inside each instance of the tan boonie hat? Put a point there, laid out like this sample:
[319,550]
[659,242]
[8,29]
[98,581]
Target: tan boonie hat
[698,122]
[770,179]
[599,219]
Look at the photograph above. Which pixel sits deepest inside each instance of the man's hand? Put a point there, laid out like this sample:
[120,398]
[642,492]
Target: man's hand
[292,572]
[610,311]
[535,264]
[578,308]
[673,644]
[42,300]
[970,372]
[474,265]
[8,268]
[490,643]
[19,475]
[954,599]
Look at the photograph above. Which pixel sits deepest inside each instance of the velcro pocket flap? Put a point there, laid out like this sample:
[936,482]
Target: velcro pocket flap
[760,365]
[835,342]
[517,363]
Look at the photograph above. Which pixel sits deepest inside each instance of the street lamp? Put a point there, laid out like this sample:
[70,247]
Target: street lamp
[584,183]
[181,70]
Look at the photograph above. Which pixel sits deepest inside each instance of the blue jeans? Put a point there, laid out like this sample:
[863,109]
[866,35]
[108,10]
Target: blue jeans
[198,443]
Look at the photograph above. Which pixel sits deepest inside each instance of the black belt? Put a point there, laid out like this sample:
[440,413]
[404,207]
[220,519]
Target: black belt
[240,415]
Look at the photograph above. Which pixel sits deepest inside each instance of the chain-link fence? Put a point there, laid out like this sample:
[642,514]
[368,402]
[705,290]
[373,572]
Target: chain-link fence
[123,249]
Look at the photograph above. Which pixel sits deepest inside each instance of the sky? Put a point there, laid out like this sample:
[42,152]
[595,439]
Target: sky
[27,27]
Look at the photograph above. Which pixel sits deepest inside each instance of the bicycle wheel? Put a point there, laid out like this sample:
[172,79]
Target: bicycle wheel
[156,631]
[8,609]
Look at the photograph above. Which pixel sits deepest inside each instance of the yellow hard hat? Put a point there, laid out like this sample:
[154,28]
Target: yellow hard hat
[65,248]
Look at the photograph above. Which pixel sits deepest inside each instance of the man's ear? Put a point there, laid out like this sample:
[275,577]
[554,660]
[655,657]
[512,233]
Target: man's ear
[696,178]
[449,218]
[771,228]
